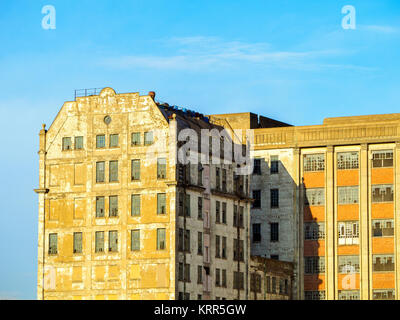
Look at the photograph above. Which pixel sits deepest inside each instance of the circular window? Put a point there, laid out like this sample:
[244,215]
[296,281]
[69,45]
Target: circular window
[107,120]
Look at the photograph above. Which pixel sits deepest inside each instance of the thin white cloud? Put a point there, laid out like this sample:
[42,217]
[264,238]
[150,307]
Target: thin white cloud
[380,29]
[210,53]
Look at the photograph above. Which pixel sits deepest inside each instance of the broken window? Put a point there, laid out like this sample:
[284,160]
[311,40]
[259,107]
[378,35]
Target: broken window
[135,240]
[53,243]
[100,207]
[113,171]
[113,206]
[314,162]
[100,171]
[66,143]
[348,195]
[135,174]
[161,168]
[113,241]
[78,143]
[77,242]
[99,241]
[135,139]
[347,160]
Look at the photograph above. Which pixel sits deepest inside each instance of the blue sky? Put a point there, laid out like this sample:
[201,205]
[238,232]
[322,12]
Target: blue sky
[289,60]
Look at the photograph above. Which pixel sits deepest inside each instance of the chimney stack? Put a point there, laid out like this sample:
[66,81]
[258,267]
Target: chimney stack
[152,94]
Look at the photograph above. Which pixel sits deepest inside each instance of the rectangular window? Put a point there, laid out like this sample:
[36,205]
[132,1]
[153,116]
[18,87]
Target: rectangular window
[135,240]
[274,231]
[349,294]
[274,256]
[181,272]
[77,242]
[348,232]
[223,251]
[347,160]
[113,241]
[315,197]
[114,140]
[273,285]
[255,282]
[181,201]
[180,240]
[100,141]
[200,208]
[348,195]
[200,174]
[383,294]
[274,164]
[256,232]
[314,265]
[382,193]
[99,241]
[314,295]
[217,277]
[223,284]
[161,239]
[314,162]
[238,280]
[274,198]
[217,178]
[113,171]
[257,166]
[383,262]
[148,138]
[78,143]
[187,205]
[161,168]
[53,243]
[200,243]
[135,139]
[66,143]
[235,215]
[100,207]
[186,239]
[224,212]
[224,180]
[199,274]
[187,272]
[217,212]
[281,286]
[217,246]
[113,206]
[314,230]
[349,264]
[135,174]
[268,280]
[257,199]
[135,205]
[382,159]
[161,203]
[238,253]
[382,227]
[100,171]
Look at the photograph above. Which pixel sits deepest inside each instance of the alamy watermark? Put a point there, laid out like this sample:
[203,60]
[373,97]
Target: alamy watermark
[49,20]
[349,20]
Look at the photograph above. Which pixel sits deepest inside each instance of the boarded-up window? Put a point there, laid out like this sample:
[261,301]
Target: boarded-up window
[135,175]
[99,241]
[382,193]
[223,251]
[199,243]
[161,203]
[100,141]
[161,239]
[217,178]
[77,242]
[217,211]
[348,264]
[114,140]
[100,207]
[314,162]
[135,205]
[113,241]
[113,206]
[217,246]
[382,227]
[66,143]
[113,171]
[78,143]
[148,138]
[348,195]
[315,197]
[382,158]
[383,262]
[100,169]
[161,168]
[135,240]
[53,243]
[347,160]
[314,230]
[135,138]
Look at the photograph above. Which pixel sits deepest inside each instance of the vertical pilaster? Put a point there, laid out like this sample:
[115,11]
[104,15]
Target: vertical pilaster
[364,225]
[330,224]
[396,164]
[298,217]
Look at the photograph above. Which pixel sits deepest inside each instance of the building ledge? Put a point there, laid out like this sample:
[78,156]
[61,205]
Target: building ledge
[41,190]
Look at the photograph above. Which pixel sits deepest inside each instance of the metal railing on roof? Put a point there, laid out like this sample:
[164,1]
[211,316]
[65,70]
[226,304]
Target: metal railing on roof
[87,92]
